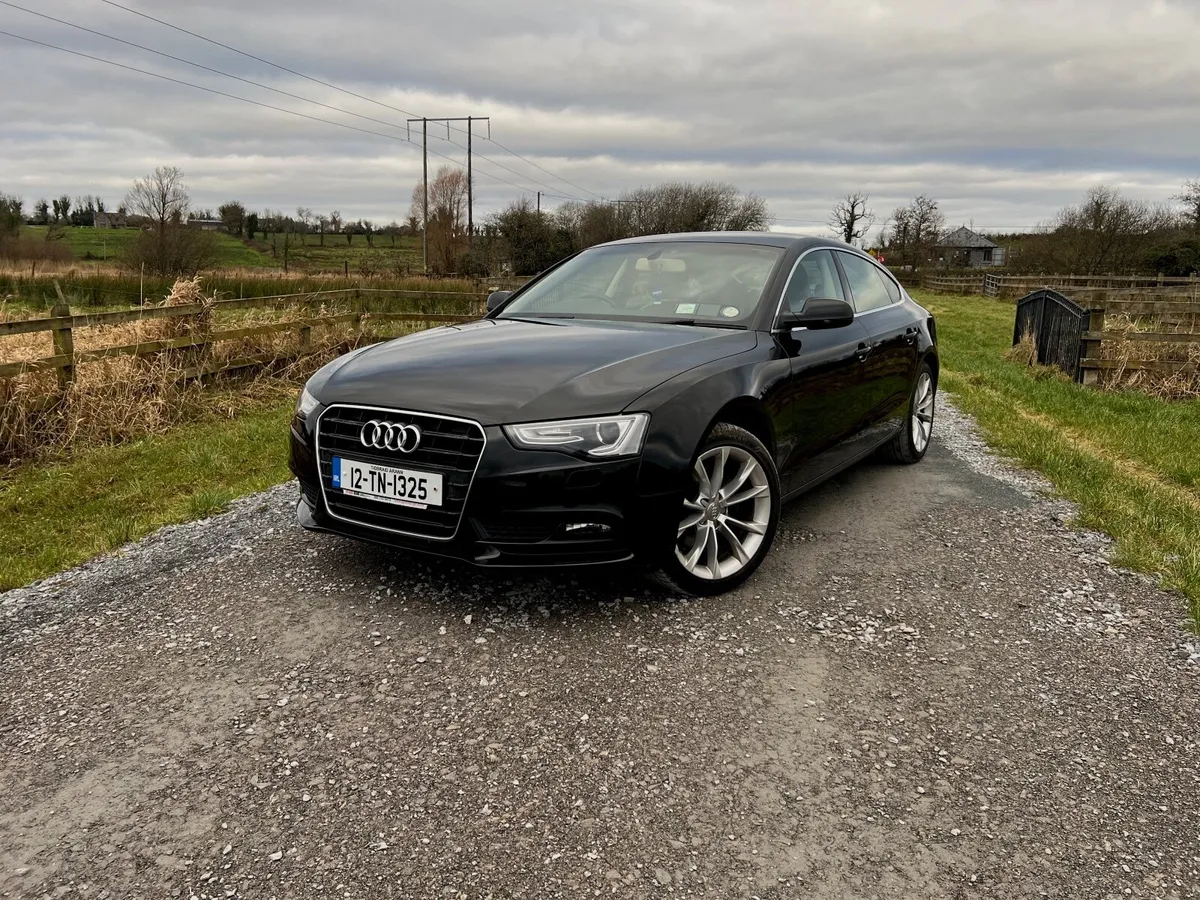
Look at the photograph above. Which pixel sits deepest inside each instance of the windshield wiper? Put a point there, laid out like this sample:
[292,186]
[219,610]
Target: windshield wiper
[701,323]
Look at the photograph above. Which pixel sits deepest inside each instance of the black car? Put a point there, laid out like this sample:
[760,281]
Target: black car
[653,399]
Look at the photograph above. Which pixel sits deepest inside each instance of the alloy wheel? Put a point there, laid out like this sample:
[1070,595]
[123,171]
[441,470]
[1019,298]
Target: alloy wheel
[723,526]
[922,414]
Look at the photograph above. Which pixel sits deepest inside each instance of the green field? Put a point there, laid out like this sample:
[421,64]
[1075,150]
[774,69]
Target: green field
[59,515]
[341,253]
[109,244]
[305,252]
[1127,459]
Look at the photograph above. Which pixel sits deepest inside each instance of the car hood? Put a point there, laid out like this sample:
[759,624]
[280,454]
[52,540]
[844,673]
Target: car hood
[506,370]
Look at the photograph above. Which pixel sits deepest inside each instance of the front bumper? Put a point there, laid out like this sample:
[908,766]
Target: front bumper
[524,509]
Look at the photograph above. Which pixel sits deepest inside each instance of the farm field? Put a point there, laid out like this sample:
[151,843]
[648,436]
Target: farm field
[343,253]
[1127,459]
[101,245]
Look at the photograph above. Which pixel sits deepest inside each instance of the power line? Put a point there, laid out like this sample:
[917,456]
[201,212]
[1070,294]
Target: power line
[290,112]
[257,84]
[343,90]
[197,65]
[547,171]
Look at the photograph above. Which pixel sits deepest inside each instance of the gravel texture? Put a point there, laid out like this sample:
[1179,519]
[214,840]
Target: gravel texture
[934,688]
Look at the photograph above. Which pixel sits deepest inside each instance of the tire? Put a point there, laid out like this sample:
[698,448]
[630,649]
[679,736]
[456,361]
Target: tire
[912,441]
[748,524]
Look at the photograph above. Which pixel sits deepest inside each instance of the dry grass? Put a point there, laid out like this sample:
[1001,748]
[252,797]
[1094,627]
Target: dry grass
[1025,352]
[121,398]
[1170,385]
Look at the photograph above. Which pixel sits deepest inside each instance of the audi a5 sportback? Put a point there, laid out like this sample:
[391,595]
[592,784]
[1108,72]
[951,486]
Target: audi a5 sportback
[653,399]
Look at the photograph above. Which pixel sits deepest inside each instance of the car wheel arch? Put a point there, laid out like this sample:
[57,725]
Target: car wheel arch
[747,413]
[934,366]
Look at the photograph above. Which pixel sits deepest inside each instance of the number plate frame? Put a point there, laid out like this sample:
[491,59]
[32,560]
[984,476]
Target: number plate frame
[372,481]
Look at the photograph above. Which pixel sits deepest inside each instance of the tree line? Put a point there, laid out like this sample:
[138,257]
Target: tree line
[523,240]
[1107,232]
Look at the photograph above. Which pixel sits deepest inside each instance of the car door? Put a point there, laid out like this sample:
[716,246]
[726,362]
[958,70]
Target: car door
[827,400]
[890,366]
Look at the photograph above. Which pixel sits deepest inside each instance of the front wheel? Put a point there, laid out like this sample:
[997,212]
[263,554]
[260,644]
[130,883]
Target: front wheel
[728,520]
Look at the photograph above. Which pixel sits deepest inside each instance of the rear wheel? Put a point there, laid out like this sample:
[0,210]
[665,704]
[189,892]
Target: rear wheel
[910,444]
[728,520]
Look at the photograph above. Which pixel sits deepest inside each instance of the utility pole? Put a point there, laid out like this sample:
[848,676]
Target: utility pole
[470,194]
[446,120]
[539,203]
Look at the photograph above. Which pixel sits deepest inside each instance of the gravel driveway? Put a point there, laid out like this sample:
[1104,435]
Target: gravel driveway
[932,689]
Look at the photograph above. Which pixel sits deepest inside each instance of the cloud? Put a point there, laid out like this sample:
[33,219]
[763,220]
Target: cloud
[1003,111]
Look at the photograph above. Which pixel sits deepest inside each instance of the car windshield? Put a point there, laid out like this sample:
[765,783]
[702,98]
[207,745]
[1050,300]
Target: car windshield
[706,282]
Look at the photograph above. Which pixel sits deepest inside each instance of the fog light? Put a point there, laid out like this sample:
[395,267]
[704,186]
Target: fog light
[586,528]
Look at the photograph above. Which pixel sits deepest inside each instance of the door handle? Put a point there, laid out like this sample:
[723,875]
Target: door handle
[863,351]
[910,334]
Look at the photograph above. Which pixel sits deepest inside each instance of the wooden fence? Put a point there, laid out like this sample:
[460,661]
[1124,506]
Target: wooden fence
[1072,336]
[62,324]
[993,285]
[1163,312]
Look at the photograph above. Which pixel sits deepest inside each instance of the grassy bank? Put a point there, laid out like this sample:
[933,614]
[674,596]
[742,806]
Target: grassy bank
[1128,460]
[59,515]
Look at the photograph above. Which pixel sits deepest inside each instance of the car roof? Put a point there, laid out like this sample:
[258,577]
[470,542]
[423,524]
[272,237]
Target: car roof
[762,238]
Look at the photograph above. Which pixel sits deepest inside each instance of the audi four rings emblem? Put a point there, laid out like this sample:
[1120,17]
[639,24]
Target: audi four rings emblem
[388,436]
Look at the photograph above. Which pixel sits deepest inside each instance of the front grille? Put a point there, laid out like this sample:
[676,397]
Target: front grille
[449,446]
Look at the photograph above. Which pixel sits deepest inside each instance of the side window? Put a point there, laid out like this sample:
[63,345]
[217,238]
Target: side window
[893,289]
[867,284]
[815,275]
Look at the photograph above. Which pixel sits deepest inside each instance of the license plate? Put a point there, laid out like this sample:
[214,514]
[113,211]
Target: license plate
[403,487]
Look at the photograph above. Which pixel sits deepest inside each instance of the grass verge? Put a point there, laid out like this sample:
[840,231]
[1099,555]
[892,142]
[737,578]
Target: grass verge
[59,515]
[1126,459]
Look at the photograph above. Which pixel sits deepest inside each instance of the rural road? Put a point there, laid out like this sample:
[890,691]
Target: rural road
[933,689]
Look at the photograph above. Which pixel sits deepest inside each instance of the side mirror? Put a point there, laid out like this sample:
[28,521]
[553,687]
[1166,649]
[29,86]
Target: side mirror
[820,312]
[496,298]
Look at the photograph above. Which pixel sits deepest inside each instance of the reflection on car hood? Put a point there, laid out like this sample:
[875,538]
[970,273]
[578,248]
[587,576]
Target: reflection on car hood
[508,370]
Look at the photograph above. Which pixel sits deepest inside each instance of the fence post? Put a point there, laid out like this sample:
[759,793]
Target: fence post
[64,341]
[305,338]
[1090,347]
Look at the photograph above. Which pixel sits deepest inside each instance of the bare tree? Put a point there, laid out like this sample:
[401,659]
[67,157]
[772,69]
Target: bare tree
[160,197]
[927,224]
[677,206]
[1107,232]
[1190,198]
[913,231]
[168,246]
[447,216]
[850,219]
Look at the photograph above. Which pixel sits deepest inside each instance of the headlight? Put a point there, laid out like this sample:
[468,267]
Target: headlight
[306,403]
[604,437]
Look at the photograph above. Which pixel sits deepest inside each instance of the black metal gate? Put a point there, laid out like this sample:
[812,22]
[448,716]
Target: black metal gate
[1057,325]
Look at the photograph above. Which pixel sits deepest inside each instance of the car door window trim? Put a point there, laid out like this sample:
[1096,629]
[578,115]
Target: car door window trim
[792,274]
[882,272]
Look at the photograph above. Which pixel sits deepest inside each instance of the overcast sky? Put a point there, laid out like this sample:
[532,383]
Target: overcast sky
[1002,110]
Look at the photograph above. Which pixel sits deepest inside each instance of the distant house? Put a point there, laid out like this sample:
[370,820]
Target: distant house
[206,224]
[964,247]
[111,220]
